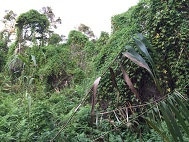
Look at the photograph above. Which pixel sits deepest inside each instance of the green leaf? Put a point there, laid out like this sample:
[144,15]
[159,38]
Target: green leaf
[173,121]
[181,120]
[142,48]
[136,58]
[144,40]
[23,59]
[184,109]
[34,60]
[167,120]
[31,81]
[165,138]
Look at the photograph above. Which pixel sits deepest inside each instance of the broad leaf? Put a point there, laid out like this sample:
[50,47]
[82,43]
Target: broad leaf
[173,121]
[165,138]
[145,41]
[142,48]
[181,120]
[168,122]
[136,58]
[183,106]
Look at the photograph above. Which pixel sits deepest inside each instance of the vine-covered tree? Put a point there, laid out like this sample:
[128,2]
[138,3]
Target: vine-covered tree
[31,26]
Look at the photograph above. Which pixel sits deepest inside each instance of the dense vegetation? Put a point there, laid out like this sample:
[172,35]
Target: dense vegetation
[131,85]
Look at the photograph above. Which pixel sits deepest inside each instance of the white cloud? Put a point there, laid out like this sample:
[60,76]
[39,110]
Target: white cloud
[93,13]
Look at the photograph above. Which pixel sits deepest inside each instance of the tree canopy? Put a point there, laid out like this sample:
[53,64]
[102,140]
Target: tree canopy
[31,23]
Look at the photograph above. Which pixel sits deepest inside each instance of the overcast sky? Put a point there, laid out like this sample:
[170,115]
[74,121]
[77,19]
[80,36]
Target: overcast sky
[94,13]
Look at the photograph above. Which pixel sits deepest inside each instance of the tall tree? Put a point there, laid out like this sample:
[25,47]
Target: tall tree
[32,25]
[48,11]
[86,30]
[54,22]
[9,28]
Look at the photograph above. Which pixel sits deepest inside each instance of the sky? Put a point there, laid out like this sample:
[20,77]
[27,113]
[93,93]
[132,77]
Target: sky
[94,13]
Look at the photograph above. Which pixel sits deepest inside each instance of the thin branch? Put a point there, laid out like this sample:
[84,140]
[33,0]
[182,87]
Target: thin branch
[136,106]
[101,136]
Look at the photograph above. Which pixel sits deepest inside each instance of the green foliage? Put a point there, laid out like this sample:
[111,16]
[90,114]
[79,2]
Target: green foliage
[123,21]
[9,28]
[77,38]
[54,39]
[79,128]
[77,42]
[34,22]
[46,115]
[55,69]
[168,33]
[2,45]
[137,59]
[2,59]
[175,114]
[90,50]
[12,120]
[102,40]
[140,18]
